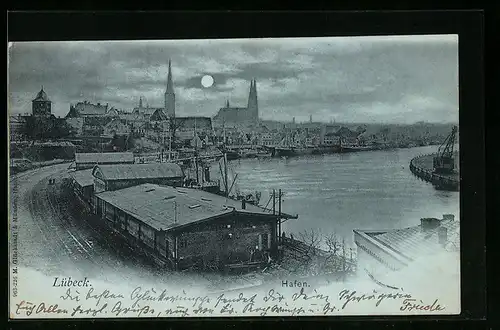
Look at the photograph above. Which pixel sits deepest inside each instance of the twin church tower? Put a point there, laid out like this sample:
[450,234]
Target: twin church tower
[238,116]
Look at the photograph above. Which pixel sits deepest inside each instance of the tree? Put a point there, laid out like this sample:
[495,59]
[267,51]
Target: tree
[42,128]
[314,259]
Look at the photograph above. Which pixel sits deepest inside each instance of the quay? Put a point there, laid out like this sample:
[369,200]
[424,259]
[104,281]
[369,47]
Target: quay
[422,167]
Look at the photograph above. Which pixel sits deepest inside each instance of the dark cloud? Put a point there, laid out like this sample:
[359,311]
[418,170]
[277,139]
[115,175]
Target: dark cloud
[394,79]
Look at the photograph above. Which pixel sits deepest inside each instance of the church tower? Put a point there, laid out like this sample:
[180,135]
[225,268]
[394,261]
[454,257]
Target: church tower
[41,105]
[169,94]
[253,106]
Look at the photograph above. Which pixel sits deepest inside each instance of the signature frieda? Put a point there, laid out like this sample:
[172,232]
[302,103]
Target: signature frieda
[412,305]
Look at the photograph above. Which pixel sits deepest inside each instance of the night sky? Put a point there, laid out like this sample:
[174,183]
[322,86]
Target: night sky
[402,79]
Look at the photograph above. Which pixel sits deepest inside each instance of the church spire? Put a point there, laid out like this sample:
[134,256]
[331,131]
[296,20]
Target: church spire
[170,84]
[169,93]
[140,102]
[253,107]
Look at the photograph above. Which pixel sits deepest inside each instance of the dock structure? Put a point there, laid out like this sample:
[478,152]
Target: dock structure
[422,167]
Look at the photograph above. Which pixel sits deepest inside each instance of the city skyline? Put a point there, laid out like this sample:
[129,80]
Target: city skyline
[398,79]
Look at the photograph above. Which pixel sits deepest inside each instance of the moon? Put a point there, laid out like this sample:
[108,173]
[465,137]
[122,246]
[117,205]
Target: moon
[207,81]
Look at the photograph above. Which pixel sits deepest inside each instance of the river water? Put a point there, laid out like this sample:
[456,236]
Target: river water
[340,192]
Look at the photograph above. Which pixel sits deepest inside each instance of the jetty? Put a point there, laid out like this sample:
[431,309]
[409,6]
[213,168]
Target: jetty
[422,167]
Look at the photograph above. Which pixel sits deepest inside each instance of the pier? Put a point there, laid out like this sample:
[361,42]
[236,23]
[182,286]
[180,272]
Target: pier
[422,167]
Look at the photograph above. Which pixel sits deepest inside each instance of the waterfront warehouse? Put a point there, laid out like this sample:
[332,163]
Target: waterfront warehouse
[89,160]
[186,228]
[83,184]
[113,177]
[394,249]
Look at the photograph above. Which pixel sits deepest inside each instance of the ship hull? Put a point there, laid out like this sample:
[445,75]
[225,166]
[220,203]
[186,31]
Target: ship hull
[356,149]
[321,150]
[290,152]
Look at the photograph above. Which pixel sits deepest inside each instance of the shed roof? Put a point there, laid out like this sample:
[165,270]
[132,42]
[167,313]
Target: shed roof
[83,178]
[104,157]
[138,171]
[163,207]
[413,242]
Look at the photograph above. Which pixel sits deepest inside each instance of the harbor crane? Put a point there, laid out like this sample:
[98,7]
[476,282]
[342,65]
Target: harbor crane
[444,161]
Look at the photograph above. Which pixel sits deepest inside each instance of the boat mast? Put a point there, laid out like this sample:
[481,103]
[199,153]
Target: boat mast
[225,175]
[196,153]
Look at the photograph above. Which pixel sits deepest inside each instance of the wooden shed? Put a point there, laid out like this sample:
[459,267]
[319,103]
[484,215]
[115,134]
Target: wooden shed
[89,160]
[113,177]
[191,228]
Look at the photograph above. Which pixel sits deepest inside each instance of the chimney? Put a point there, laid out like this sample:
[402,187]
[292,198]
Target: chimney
[448,217]
[243,204]
[429,223]
[443,236]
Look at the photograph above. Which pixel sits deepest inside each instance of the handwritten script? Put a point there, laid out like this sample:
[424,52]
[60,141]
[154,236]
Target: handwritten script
[151,302]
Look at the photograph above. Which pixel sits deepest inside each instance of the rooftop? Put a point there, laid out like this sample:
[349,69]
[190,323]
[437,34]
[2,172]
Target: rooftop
[104,157]
[413,242]
[83,178]
[41,96]
[164,208]
[89,109]
[138,171]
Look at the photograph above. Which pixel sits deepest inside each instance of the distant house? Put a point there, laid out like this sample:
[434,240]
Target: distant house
[76,124]
[331,139]
[184,227]
[197,141]
[94,126]
[113,177]
[112,112]
[389,250]
[87,109]
[116,127]
[192,123]
[89,160]
[268,139]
